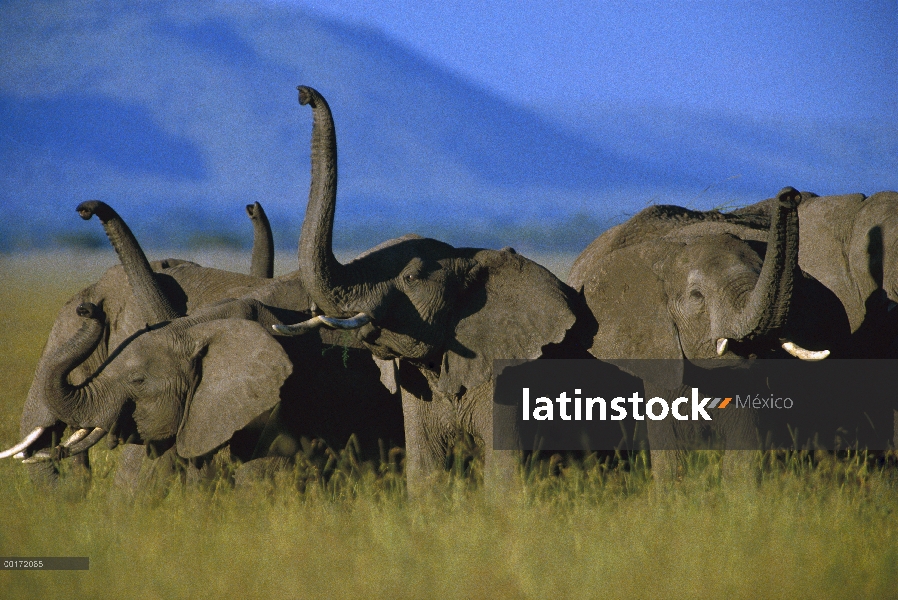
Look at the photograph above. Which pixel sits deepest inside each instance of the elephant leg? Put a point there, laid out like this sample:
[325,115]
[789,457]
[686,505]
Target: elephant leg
[259,470]
[500,466]
[156,476]
[425,443]
[739,429]
[43,475]
[127,472]
[664,443]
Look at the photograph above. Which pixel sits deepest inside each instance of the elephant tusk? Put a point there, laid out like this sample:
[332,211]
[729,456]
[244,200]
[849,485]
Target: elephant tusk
[722,344]
[70,447]
[799,352]
[95,436]
[39,456]
[299,328]
[76,437]
[350,323]
[321,320]
[24,444]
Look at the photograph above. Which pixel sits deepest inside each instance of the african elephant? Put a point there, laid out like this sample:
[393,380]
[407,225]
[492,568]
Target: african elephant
[157,410]
[709,288]
[186,286]
[434,315]
[850,244]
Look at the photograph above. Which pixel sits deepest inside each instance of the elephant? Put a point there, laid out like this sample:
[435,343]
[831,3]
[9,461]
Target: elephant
[435,317]
[169,352]
[186,285]
[850,244]
[703,289]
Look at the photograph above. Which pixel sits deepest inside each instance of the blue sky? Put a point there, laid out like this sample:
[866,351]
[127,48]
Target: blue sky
[454,118]
[795,60]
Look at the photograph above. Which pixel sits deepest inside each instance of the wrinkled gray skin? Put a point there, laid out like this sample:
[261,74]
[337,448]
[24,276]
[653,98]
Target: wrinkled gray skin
[166,385]
[850,244]
[437,318]
[671,283]
[186,286]
[262,264]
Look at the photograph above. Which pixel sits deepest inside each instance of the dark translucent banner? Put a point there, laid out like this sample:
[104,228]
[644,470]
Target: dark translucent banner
[564,405]
[45,563]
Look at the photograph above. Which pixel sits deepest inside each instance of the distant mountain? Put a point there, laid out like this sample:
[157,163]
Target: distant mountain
[179,115]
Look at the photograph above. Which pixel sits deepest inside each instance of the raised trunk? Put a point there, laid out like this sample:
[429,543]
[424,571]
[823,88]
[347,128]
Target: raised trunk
[75,405]
[318,268]
[263,243]
[768,306]
[147,292]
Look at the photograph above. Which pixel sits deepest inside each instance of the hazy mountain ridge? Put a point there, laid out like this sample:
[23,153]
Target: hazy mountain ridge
[178,116]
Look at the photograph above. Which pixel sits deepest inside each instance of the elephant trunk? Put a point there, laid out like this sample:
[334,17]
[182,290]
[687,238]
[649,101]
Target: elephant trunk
[75,405]
[768,305]
[146,288]
[318,267]
[263,243]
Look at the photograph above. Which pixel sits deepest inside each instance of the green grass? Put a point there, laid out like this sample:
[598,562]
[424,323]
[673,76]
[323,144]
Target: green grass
[815,527]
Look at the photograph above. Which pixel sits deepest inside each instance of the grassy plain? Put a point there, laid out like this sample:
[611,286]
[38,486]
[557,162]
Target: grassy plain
[579,529]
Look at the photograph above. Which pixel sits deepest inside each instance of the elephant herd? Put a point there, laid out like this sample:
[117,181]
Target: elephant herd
[184,365]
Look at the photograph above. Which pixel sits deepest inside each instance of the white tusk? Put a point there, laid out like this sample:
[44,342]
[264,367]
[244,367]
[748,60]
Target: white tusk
[23,445]
[70,447]
[299,328]
[76,448]
[722,344]
[316,322]
[76,437]
[799,352]
[350,323]
[39,456]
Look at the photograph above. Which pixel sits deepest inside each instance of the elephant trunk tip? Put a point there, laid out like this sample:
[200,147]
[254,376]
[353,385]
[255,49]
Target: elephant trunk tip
[306,95]
[789,197]
[252,210]
[88,310]
[88,209]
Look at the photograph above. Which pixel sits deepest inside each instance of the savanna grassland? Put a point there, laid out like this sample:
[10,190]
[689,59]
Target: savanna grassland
[341,527]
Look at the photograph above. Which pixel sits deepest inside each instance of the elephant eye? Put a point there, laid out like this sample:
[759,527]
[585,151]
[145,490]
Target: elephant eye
[696,295]
[410,278]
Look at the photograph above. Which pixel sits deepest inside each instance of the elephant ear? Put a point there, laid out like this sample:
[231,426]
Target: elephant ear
[241,370]
[389,375]
[511,309]
[627,297]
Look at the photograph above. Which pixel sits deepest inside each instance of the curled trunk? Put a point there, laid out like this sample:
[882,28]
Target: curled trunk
[318,267]
[146,288]
[768,305]
[263,243]
[75,405]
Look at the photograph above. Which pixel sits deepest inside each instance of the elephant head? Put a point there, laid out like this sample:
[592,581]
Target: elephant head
[673,284]
[436,316]
[195,381]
